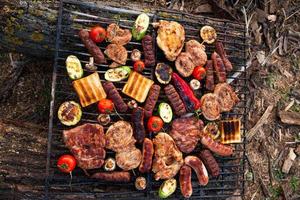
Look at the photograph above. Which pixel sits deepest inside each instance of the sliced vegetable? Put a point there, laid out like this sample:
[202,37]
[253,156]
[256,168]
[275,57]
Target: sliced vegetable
[69,113]
[212,129]
[195,84]
[140,183]
[109,164]
[139,66]
[117,74]
[199,72]
[140,26]
[103,119]
[74,67]
[66,163]
[163,73]
[208,34]
[106,106]
[167,188]
[155,124]
[165,112]
[98,34]
[135,55]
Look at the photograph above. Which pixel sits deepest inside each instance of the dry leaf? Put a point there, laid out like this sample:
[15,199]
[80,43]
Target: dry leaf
[272,18]
[261,56]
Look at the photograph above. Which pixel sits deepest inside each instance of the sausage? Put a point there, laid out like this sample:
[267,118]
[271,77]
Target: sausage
[137,118]
[151,100]
[216,147]
[149,53]
[197,165]
[148,152]
[93,49]
[221,51]
[210,162]
[114,95]
[219,67]
[185,176]
[112,176]
[176,102]
[209,82]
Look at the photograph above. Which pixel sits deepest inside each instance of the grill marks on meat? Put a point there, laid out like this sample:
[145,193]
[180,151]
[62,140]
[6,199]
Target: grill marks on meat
[93,49]
[149,53]
[185,181]
[216,147]
[210,162]
[227,95]
[86,142]
[221,51]
[167,158]
[210,106]
[117,53]
[151,100]
[186,133]
[175,100]
[209,82]
[184,64]
[197,165]
[114,95]
[148,152]
[129,159]
[197,52]
[219,67]
[137,119]
[112,176]
[116,35]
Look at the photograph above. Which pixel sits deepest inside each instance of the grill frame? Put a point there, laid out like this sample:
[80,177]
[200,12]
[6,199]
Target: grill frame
[58,187]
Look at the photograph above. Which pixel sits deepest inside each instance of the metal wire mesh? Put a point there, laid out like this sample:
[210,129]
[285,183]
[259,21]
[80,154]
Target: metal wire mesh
[74,16]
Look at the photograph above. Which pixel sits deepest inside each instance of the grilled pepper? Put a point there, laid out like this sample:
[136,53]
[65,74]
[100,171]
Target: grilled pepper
[186,93]
[167,188]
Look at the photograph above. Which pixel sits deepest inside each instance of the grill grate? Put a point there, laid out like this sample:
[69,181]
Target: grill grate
[73,16]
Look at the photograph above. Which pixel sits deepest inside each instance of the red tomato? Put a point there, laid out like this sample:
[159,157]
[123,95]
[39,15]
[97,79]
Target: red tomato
[199,72]
[97,34]
[155,124]
[139,66]
[105,106]
[66,163]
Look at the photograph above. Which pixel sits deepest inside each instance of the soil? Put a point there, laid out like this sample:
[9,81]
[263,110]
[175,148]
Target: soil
[273,82]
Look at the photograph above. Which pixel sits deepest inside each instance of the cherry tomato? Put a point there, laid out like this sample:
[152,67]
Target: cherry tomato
[97,34]
[66,163]
[155,124]
[199,73]
[105,106]
[139,66]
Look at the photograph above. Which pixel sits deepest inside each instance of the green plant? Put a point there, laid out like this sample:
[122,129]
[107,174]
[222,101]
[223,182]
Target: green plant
[294,183]
[275,192]
[278,174]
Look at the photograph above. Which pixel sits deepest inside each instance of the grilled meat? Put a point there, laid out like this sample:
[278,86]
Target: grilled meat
[86,142]
[185,181]
[112,176]
[137,119]
[148,152]
[197,52]
[186,133]
[211,107]
[216,147]
[176,102]
[221,51]
[167,158]
[114,95]
[117,53]
[149,53]
[209,82]
[184,64]
[227,95]
[129,159]
[210,162]
[196,164]
[116,35]
[151,100]
[219,67]
[170,38]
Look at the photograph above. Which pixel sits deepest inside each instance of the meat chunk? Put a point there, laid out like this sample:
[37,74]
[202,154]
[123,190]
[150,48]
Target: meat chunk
[209,81]
[221,51]
[86,142]
[167,158]
[116,35]
[211,107]
[129,159]
[114,95]
[197,52]
[176,102]
[186,133]
[117,53]
[228,97]
[184,64]
[210,162]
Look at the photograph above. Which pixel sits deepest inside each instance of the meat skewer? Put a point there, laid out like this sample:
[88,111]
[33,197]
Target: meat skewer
[114,95]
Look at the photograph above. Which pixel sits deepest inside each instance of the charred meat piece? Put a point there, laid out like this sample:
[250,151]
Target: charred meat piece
[209,82]
[137,119]
[210,162]
[112,176]
[170,38]
[86,142]
[167,158]
[197,165]
[219,67]
[149,53]
[186,132]
[116,35]
[129,159]
[114,95]
[117,53]
[185,181]
[210,106]
[91,47]
[227,95]
[151,100]
[197,52]
[221,51]
[184,64]
[148,152]
[175,100]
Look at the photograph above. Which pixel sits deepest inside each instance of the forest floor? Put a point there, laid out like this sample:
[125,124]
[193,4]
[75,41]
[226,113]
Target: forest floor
[274,86]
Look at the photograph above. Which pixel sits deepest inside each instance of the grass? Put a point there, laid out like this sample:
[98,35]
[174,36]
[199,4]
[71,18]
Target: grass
[278,174]
[294,183]
[276,192]
[271,80]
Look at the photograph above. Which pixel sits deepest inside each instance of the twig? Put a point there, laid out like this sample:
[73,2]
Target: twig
[253,196]
[247,20]
[286,18]
[250,166]
[290,105]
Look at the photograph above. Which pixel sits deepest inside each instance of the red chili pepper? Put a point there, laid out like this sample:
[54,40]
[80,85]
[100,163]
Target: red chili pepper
[186,93]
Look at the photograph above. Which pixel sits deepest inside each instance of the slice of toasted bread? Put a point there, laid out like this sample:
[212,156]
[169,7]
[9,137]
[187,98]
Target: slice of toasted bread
[230,131]
[89,89]
[137,86]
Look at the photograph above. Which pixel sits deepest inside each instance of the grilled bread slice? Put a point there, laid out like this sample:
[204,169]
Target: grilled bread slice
[89,89]
[137,87]
[230,131]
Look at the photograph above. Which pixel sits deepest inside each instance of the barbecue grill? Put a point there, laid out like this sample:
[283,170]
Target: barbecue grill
[74,16]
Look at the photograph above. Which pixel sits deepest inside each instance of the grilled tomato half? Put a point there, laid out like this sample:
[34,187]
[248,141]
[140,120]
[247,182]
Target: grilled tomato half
[69,113]
[66,163]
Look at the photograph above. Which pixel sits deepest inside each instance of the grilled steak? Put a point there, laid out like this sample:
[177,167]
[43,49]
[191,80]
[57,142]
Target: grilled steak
[129,159]
[197,52]
[86,142]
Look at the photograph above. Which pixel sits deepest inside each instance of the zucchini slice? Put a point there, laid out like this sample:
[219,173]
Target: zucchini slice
[74,67]
[165,112]
[140,26]
[117,74]
[69,113]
